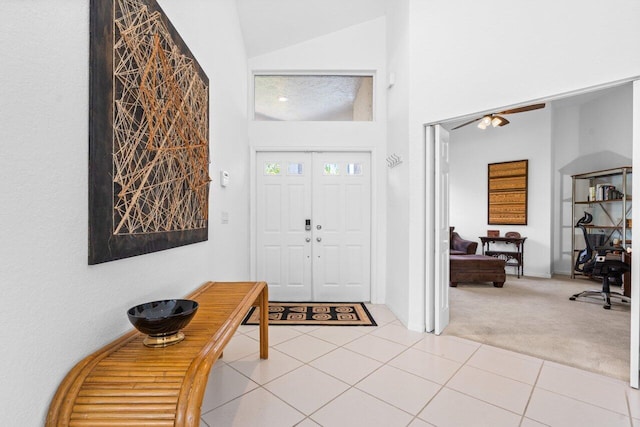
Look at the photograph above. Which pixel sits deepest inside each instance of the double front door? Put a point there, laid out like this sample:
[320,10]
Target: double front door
[314,225]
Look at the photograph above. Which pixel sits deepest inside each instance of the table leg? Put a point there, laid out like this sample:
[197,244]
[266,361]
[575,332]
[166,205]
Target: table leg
[264,323]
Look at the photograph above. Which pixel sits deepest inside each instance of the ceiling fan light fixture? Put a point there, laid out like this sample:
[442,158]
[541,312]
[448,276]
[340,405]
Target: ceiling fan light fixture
[486,121]
[498,121]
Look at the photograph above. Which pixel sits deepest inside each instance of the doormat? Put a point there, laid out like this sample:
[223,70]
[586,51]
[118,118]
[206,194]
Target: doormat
[313,313]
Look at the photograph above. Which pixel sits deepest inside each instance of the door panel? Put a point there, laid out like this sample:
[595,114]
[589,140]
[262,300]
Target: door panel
[284,203]
[442,229]
[342,232]
[333,190]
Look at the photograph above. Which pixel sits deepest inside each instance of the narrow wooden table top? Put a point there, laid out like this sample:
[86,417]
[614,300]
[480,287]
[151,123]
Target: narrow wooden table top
[127,383]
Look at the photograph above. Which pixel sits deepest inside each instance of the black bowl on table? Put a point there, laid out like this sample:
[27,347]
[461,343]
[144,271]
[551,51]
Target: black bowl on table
[162,320]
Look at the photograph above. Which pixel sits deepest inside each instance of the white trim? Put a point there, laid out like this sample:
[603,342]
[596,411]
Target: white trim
[377,294]
[634,346]
[430,230]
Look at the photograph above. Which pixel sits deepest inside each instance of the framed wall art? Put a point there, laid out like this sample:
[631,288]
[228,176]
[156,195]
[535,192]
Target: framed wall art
[148,134]
[507,195]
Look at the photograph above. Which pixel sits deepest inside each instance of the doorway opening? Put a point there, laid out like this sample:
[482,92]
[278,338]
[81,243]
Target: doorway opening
[555,245]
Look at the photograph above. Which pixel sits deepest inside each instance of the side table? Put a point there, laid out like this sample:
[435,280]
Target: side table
[513,258]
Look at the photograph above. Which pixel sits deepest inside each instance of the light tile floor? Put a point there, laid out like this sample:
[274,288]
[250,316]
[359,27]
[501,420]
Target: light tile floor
[389,376]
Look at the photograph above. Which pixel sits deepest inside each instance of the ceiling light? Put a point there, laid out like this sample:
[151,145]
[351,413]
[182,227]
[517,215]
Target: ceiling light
[498,121]
[486,121]
[283,99]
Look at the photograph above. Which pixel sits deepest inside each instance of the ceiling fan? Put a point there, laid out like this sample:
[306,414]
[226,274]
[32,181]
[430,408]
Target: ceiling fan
[496,119]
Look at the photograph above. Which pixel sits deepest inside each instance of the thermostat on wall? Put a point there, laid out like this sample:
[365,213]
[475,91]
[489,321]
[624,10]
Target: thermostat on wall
[224,178]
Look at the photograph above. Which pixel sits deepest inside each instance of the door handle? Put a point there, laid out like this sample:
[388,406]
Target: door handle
[308,239]
[318,239]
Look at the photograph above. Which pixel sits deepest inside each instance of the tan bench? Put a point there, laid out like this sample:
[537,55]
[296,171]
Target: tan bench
[128,384]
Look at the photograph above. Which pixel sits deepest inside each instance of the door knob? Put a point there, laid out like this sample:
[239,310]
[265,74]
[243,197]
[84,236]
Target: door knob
[318,239]
[308,239]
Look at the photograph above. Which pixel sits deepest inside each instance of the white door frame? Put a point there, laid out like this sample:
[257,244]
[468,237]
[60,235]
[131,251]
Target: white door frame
[377,295]
[431,308]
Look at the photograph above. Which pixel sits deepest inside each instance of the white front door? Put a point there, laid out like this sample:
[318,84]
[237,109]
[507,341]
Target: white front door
[314,225]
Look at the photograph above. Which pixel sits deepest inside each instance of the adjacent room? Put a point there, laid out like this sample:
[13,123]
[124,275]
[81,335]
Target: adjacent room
[569,136]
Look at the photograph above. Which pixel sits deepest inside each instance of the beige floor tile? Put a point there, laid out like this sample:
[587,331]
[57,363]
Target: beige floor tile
[417,422]
[346,365]
[492,388]
[633,396]
[605,392]
[355,408]
[257,408]
[562,411]
[399,388]
[338,335]
[225,384]
[512,365]
[240,346]
[305,348]
[306,389]
[398,333]
[376,348]
[264,370]
[277,334]
[448,347]
[526,422]
[381,314]
[307,422]
[426,365]
[452,409]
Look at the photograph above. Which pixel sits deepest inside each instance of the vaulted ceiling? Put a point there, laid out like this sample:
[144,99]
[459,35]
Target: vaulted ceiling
[269,25]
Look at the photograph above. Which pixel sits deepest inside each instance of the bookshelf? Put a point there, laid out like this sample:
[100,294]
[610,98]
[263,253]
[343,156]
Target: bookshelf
[606,195]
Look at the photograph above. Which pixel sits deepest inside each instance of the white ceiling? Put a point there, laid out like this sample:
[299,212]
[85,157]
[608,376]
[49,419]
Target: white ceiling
[268,25]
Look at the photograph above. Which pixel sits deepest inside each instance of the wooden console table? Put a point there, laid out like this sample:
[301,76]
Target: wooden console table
[128,384]
[512,258]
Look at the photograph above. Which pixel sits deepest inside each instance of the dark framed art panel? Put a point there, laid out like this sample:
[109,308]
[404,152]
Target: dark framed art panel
[148,134]
[507,193]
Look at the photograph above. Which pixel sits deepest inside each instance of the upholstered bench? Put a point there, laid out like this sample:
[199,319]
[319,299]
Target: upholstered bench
[476,268]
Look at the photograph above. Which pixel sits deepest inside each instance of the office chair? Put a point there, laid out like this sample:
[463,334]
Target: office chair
[611,270]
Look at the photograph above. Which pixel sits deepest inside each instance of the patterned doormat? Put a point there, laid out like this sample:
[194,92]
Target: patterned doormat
[313,313]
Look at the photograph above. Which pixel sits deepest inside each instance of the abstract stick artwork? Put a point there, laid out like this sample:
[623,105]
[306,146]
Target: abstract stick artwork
[149,134]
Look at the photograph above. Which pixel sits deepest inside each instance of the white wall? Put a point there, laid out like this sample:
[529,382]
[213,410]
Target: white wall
[398,199]
[545,48]
[527,137]
[56,308]
[357,48]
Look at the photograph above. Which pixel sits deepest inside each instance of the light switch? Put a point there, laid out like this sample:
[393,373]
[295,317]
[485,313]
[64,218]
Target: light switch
[224,178]
[224,217]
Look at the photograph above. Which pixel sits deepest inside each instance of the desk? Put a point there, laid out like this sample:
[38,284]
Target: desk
[512,258]
[128,384]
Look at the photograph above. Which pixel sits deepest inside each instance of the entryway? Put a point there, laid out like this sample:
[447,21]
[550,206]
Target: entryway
[313,230]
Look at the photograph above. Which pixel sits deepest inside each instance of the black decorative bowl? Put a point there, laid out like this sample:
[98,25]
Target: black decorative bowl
[162,320]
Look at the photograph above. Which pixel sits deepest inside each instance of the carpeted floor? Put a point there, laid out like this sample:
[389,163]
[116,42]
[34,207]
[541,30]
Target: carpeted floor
[535,317]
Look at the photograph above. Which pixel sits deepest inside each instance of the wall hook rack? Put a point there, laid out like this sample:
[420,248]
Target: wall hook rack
[393,160]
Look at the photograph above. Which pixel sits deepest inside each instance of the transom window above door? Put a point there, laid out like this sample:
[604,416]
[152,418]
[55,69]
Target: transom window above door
[313,98]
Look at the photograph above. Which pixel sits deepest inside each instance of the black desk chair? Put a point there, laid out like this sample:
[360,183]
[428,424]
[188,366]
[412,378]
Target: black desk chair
[611,270]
